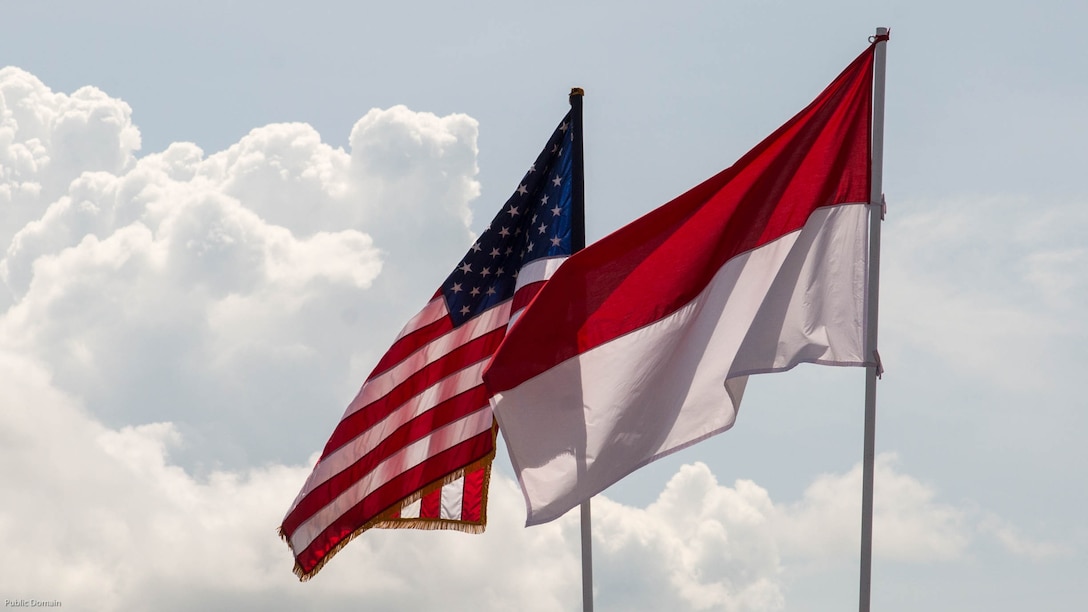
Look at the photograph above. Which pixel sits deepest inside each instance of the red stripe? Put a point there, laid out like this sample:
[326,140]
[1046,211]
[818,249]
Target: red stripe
[456,360]
[447,412]
[660,262]
[473,496]
[411,343]
[384,498]
[430,506]
[525,294]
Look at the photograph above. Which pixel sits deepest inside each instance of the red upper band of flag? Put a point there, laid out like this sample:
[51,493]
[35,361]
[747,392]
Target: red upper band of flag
[641,344]
[414,448]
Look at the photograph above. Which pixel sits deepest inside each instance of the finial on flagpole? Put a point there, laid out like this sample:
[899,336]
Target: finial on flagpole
[577,91]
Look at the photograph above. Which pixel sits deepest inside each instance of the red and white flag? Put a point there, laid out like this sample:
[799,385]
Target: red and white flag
[642,343]
[414,448]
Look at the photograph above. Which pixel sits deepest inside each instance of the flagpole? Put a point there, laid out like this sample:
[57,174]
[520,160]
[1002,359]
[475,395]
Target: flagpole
[578,242]
[872,372]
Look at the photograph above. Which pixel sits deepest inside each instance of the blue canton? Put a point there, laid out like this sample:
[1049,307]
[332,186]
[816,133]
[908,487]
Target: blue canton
[535,223]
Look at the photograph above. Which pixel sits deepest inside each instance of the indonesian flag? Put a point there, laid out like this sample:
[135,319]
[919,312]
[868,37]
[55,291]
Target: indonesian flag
[642,343]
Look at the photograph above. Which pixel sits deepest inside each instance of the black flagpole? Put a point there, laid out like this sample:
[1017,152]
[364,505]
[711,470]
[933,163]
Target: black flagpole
[577,243]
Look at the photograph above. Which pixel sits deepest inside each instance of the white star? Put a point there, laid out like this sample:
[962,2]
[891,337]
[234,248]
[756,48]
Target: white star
[466,268]
[522,190]
[529,248]
[517,231]
[557,180]
[555,148]
[556,241]
[495,253]
[485,272]
[544,200]
[499,272]
[543,228]
[563,127]
[476,247]
[465,310]
[491,291]
[504,232]
[533,220]
[532,168]
[456,288]
[475,291]
[513,212]
[509,250]
[557,211]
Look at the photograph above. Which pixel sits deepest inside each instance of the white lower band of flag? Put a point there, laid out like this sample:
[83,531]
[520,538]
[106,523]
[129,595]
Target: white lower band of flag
[797,299]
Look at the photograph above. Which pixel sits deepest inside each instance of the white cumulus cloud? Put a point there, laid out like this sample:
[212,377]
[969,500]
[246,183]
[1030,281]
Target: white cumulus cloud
[47,139]
[235,294]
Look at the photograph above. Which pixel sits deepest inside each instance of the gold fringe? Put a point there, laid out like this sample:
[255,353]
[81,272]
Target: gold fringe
[384,520]
[431,525]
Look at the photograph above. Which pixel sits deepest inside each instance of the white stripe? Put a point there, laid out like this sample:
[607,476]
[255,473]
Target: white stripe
[660,388]
[411,510]
[452,495]
[385,382]
[405,459]
[515,315]
[349,453]
[539,270]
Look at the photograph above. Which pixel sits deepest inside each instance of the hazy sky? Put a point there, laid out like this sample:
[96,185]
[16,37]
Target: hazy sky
[214,217]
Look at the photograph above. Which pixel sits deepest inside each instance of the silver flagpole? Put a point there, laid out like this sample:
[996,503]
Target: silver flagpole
[876,215]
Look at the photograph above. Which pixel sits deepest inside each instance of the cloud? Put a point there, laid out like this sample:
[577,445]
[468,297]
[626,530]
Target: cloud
[909,524]
[988,285]
[699,546]
[101,517]
[48,139]
[1015,542]
[240,295]
[734,548]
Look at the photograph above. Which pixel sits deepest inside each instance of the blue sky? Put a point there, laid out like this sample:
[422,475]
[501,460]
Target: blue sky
[206,250]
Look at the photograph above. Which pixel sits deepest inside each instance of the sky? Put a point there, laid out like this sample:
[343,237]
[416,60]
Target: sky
[215,216]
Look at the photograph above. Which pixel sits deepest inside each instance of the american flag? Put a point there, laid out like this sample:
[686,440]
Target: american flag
[415,446]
